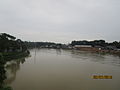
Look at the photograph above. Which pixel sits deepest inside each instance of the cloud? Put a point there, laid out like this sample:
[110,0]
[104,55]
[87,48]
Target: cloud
[61,20]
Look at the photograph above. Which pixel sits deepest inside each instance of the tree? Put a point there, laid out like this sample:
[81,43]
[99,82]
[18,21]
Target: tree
[8,43]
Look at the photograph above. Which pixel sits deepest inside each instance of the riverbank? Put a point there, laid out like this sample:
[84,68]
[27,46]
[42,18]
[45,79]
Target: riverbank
[14,55]
[97,50]
[4,58]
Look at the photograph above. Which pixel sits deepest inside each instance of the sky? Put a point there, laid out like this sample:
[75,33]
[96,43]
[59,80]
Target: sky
[61,20]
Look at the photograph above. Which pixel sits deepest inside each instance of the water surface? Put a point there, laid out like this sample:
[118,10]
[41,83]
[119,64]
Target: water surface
[55,69]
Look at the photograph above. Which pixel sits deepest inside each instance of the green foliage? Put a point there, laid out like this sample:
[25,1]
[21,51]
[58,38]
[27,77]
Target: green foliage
[42,44]
[2,73]
[10,48]
[84,42]
[101,43]
[6,88]
[8,43]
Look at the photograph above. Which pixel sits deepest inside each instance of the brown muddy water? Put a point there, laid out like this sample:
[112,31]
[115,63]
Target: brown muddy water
[55,69]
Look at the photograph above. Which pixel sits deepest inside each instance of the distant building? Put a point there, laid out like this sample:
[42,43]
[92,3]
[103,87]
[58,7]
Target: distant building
[85,48]
[77,46]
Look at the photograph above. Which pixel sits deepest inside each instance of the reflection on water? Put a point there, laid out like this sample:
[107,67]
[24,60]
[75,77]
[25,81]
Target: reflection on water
[11,69]
[96,57]
[56,69]
[58,51]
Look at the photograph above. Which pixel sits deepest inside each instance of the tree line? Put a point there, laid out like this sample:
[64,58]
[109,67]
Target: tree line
[10,48]
[94,43]
[9,43]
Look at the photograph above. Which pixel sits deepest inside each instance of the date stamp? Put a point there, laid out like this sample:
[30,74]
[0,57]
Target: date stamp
[102,77]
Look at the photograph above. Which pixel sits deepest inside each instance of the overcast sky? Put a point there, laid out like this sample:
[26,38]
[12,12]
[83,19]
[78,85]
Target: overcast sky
[61,20]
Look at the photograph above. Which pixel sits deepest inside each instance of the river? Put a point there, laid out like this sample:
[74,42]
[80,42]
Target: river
[55,69]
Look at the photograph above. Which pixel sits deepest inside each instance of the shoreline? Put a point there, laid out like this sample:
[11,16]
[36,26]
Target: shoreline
[114,52]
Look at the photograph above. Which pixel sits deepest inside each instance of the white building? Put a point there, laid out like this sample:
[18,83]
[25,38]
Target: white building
[77,46]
